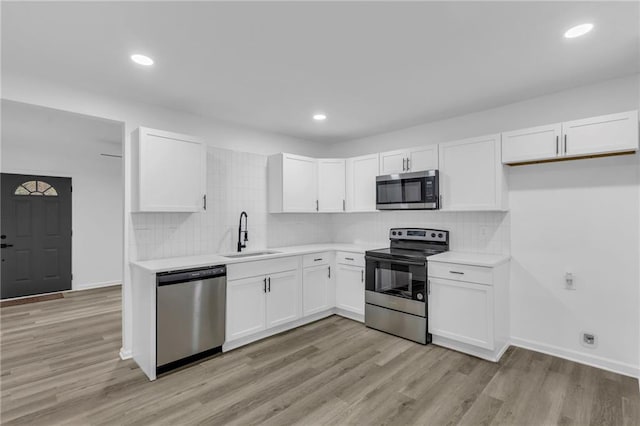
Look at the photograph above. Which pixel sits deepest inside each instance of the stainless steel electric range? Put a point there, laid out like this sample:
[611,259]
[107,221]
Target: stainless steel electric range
[396,286]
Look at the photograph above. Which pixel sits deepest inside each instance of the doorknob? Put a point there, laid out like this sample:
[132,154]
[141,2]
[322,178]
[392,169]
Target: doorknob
[6,245]
[3,237]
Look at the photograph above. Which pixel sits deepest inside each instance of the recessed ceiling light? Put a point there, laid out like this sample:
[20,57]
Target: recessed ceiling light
[142,60]
[578,30]
[320,117]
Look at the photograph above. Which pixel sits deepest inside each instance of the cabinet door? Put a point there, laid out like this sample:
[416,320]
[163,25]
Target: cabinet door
[471,174]
[331,185]
[315,289]
[299,184]
[171,171]
[393,162]
[283,303]
[361,183]
[350,288]
[245,307]
[461,311]
[536,143]
[425,158]
[601,135]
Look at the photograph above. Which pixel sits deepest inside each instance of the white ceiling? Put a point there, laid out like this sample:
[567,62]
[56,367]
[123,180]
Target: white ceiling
[372,67]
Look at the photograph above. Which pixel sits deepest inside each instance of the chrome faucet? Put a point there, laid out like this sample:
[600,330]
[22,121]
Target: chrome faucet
[240,231]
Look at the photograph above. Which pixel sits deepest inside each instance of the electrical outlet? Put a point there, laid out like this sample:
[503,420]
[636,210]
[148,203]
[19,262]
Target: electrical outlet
[569,281]
[588,340]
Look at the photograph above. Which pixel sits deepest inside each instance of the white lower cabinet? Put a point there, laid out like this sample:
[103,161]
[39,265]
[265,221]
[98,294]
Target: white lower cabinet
[461,311]
[468,307]
[282,298]
[246,307]
[268,298]
[316,289]
[350,288]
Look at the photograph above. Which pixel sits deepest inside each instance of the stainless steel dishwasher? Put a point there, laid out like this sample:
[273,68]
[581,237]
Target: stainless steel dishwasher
[190,315]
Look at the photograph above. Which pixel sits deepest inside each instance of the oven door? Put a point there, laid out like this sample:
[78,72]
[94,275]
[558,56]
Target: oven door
[418,190]
[396,284]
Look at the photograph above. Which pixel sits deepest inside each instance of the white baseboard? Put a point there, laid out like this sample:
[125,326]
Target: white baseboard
[348,314]
[125,354]
[571,355]
[87,286]
[489,355]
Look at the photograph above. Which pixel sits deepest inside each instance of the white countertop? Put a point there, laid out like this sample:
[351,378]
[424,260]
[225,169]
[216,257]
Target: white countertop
[187,262]
[475,259]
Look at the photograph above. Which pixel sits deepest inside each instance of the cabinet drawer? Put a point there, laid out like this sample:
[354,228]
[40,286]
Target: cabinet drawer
[256,268]
[347,258]
[460,272]
[316,259]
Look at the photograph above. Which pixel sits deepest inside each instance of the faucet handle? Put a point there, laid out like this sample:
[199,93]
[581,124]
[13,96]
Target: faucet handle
[246,235]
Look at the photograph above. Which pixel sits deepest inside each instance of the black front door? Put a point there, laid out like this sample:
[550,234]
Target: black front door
[36,234]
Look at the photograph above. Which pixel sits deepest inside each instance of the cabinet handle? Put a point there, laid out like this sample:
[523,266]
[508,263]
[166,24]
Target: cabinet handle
[408,166]
[456,272]
[361,275]
[204,201]
[428,287]
[317,205]
[565,144]
[265,284]
[557,145]
[348,258]
[344,205]
[269,284]
[329,271]
[317,260]
[403,166]
[440,206]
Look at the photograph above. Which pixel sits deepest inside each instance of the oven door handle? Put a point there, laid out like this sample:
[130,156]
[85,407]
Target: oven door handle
[396,261]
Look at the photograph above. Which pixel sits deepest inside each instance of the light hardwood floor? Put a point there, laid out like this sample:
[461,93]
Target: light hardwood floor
[60,365]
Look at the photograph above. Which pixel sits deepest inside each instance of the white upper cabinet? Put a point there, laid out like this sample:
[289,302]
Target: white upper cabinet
[293,183]
[409,160]
[361,183]
[606,134]
[169,172]
[472,175]
[331,185]
[425,158]
[393,162]
[536,143]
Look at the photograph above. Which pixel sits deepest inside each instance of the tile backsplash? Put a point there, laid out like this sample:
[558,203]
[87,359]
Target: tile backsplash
[480,232]
[237,181]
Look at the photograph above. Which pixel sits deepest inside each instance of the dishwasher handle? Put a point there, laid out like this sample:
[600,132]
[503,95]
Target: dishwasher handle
[186,275]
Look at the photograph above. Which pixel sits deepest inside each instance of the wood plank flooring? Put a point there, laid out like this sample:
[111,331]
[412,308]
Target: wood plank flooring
[60,365]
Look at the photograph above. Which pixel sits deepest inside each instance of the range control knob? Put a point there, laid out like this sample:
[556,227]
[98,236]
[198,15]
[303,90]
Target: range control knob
[393,233]
[420,296]
[440,235]
[433,235]
[399,232]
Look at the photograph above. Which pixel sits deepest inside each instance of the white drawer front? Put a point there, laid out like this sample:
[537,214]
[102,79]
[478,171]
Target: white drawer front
[459,272]
[316,259]
[256,268]
[347,258]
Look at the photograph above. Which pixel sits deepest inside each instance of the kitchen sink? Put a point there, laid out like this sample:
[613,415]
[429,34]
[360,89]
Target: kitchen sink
[250,254]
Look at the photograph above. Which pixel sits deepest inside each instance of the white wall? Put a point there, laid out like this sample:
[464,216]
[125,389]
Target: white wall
[133,115]
[47,142]
[581,215]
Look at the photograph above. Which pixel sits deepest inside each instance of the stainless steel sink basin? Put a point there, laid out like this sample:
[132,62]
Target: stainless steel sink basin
[250,254]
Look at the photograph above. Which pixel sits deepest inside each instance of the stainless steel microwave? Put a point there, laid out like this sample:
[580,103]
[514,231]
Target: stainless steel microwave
[408,191]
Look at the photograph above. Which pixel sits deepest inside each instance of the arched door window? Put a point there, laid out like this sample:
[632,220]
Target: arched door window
[36,187]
